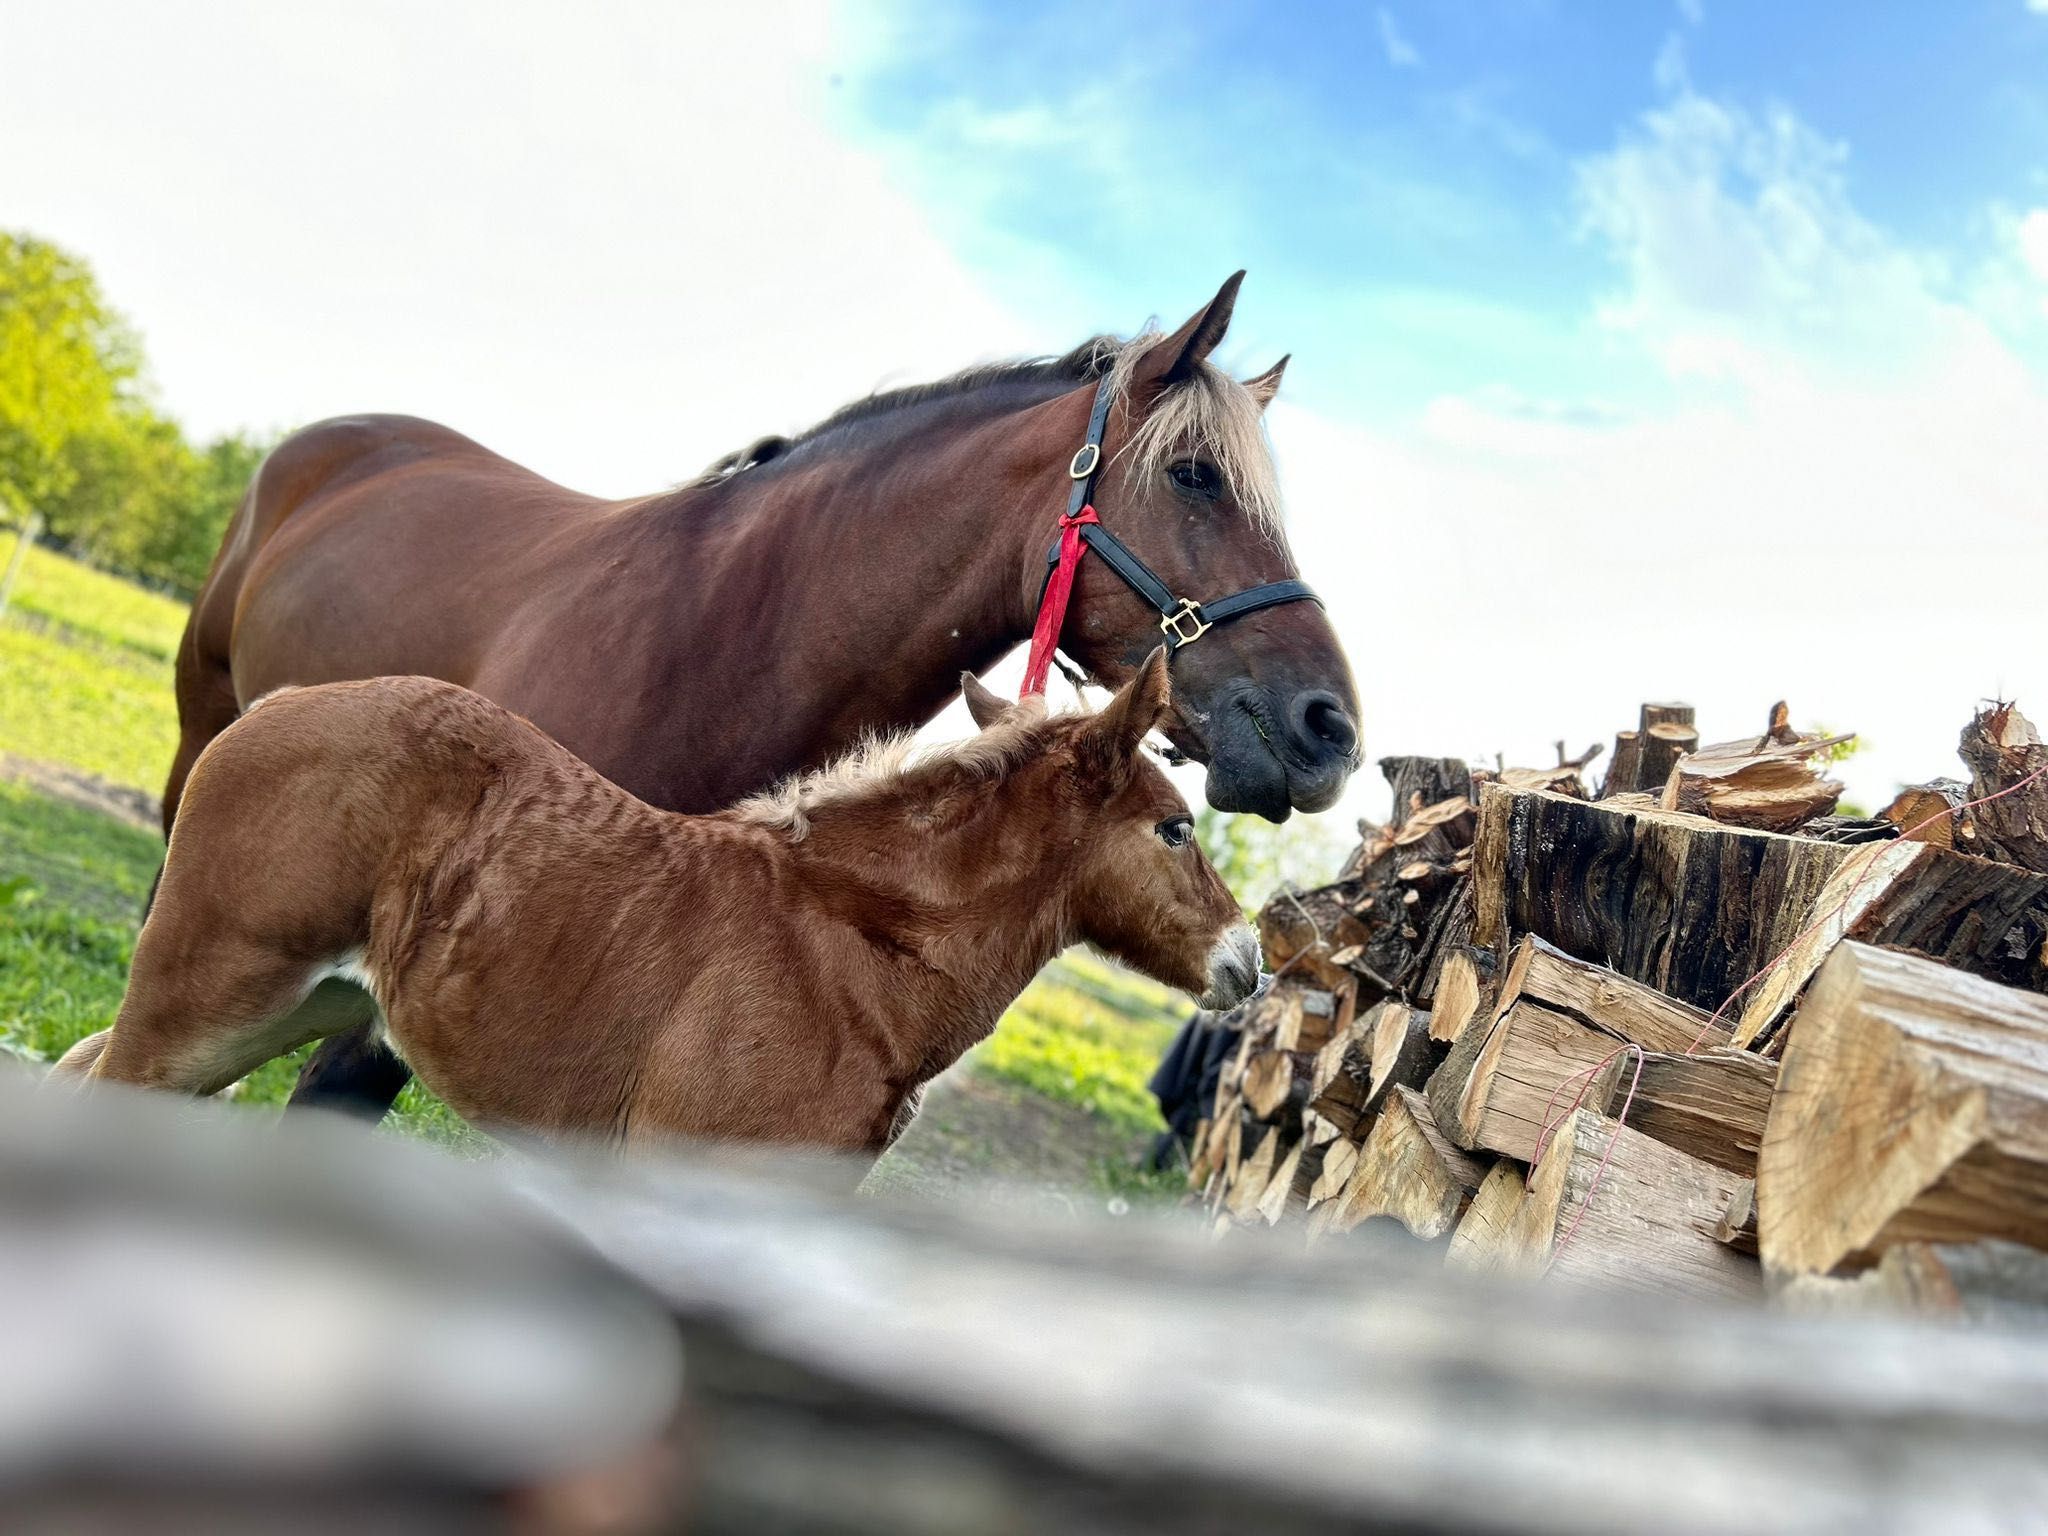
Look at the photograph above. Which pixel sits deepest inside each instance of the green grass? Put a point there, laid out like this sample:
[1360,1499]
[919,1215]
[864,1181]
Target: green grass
[1086,1034]
[85,680]
[85,672]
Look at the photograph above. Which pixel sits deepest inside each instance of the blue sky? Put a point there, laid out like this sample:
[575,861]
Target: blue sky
[1410,178]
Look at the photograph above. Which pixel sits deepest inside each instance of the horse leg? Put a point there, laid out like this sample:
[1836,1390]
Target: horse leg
[355,1073]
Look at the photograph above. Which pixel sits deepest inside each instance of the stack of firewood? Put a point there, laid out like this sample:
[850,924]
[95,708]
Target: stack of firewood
[1694,1033]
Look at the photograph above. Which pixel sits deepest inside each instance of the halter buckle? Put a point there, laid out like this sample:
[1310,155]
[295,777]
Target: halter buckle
[1082,465]
[1184,625]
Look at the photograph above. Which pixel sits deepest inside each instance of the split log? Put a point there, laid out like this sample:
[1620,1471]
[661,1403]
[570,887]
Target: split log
[1611,1207]
[1913,1105]
[1343,1069]
[1769,782]
[1989,1284]
[1300,930]
[1276,1082]
[1401,1052]
[1459,992]
[1482,1242]
[1407,1170]
[1279,1193]
[1737,1226]
[1713,1105]
[2002,750]
[1988,918]
[1536,1067]
[1339,1159]
[1555,1022]
[1927,813]
[1248,1182]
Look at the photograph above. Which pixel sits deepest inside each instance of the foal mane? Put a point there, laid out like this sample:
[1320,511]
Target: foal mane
[1206,412]
[884,765]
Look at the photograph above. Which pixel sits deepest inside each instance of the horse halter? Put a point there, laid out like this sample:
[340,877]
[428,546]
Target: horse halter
[1181,619]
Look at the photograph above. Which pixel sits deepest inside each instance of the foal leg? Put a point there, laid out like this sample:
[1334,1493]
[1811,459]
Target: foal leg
[217,1020]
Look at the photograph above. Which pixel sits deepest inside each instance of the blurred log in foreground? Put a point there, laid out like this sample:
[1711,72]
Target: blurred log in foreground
[247,1326]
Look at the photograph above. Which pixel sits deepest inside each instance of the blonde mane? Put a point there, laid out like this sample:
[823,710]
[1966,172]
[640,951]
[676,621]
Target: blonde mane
[1207,413]
[880,765]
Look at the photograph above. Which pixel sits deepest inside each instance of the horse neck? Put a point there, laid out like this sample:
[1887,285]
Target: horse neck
[880,571]
[977,924]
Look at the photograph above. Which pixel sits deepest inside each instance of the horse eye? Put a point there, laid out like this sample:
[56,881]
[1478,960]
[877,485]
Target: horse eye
[1176,831]
[1196,479]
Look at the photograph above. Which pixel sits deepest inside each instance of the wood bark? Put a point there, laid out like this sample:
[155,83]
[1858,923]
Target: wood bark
[1645,1221]
[1979,915]
[2002,751]
[1913,1106]
[1684,905]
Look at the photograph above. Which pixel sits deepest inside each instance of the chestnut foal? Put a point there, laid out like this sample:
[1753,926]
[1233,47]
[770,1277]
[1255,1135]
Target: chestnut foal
[550,954]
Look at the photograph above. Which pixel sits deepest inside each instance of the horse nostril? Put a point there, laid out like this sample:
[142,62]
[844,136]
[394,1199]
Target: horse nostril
[1321,723]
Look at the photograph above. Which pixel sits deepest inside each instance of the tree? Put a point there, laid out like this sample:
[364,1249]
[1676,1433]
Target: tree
[67,363]
[1255,857]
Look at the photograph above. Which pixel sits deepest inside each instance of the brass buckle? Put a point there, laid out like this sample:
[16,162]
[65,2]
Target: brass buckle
[1076,469]
[1189,612]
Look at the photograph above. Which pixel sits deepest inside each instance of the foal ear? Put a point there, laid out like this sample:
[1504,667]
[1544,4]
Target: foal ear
[986,708]
[1176,358]
[1267,384]
[1136,708]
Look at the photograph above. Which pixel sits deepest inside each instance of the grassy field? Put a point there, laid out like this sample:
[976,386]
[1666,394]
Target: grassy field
[85,681]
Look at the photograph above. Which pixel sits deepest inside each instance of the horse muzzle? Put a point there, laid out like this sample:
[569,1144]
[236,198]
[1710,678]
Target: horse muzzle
[1233,968]
[1273,755]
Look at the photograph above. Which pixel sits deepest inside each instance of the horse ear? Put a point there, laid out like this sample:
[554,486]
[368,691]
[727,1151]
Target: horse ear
[986,708]
[1176,358]
[1136,708]
[1267,384]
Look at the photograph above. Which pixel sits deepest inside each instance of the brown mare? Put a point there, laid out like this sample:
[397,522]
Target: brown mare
[553,955]
[849,576]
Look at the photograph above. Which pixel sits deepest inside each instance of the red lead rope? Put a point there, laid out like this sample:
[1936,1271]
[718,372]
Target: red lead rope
[1052,608]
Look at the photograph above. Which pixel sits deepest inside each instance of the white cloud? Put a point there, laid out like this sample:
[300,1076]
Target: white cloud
[1835,507]
[610,251]
[2038,7]
[2033,243]
[1400,52]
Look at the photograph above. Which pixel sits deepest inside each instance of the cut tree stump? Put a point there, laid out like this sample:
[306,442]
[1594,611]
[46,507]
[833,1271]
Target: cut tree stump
[1648,1226]
[1913,1106]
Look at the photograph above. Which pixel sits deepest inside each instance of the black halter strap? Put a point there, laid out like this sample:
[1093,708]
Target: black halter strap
[1181,619]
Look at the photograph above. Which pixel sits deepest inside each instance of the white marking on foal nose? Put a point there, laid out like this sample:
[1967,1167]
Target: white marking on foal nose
[1233,967]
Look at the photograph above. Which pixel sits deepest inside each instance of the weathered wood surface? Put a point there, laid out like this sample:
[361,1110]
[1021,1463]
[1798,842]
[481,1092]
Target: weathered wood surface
[1695,909]
[1713,1105]
[1913,1106]
[856,1365]
[1987,1284]
[1982,916]
[1408,1171]
[1613,1208]
[2003,751]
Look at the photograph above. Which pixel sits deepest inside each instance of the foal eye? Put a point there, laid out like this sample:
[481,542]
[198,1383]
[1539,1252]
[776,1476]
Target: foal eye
[1176,831]
[1192,477]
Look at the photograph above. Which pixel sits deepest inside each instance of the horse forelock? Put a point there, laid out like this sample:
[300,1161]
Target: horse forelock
[1206,413]
[884,764]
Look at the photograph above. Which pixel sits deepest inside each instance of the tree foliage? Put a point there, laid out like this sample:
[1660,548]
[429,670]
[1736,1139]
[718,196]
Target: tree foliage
[81,440]
[1255,857]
